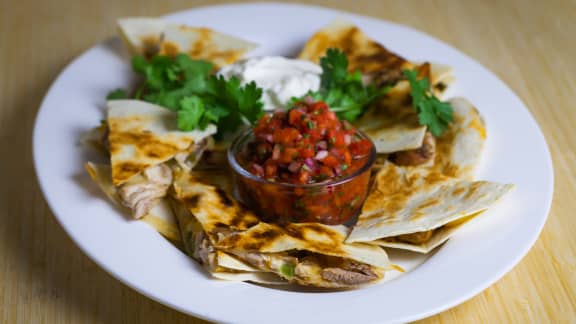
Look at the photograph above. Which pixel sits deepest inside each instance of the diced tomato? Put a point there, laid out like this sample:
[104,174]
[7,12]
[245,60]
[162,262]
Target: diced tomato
[360,148]
[307,152]
[330,161]
[303,177]
[295,116]
[285,136]
[270,169]
[288,154]
[326,172]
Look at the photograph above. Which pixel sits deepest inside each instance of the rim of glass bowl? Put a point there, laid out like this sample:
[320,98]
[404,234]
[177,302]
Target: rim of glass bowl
[239,140]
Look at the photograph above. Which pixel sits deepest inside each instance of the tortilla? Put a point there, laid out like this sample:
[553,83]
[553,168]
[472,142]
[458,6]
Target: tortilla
[441,78]
[265,278]
[391,122]
[204,44]
[459,149]
[392,128]
[160,216]
[231,226]
[228,226]
[436,238]
[407,200]
[142,35]
[150,36]
[363,53]
[142,135]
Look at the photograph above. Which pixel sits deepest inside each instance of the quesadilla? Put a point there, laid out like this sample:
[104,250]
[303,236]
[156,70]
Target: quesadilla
[369,57]
[306,253]
[375,62]
[391,122]
[151,36]
[406,200]
[142,140]
[142,135]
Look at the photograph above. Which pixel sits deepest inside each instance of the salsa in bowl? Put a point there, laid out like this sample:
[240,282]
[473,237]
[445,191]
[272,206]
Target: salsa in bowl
[303,165]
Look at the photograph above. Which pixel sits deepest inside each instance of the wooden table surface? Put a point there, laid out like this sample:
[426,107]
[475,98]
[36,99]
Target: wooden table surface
[45,278]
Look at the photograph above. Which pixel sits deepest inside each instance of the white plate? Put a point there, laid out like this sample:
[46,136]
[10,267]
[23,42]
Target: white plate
[132,252]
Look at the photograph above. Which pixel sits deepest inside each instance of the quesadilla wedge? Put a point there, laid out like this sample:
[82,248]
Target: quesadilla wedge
[228,226]
[160,216]
[150,36]
[364,54]
[372,59]
[407,200]
[391,122]
[142,135]
[143,143]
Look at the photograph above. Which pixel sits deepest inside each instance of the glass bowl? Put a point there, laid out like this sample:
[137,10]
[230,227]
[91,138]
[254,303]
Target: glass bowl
[332,202]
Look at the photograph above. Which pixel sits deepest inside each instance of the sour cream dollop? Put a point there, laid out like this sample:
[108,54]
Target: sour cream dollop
[280,78]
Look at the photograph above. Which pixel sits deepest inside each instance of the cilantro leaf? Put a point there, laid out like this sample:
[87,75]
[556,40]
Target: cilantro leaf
[117,94]
[190,113]
[343,92]
[187,87]
[433,113]
[334,68]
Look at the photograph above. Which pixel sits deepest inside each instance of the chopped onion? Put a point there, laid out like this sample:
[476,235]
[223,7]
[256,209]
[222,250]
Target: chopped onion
[321,155]
[347,139]
[310,163]
[269,138]
[294,166]
[276,152]
[258,168]
[322,145]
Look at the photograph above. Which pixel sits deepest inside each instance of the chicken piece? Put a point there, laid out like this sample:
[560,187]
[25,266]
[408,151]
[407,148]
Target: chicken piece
[143,191]
[188,160]
[204,252]
[421,155]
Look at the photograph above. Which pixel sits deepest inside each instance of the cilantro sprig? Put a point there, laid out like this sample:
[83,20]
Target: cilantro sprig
[344,92]
[199,98]
[432,112]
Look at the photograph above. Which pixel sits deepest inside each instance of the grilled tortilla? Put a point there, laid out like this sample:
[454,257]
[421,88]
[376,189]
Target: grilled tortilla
[363,53]
[391,122]
[424,242]
[204,43]
[142,135]
[142,35]
[151,36]
[459,149]
[407,200]
[228,226]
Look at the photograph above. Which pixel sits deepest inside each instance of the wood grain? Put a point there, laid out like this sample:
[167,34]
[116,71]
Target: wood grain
[45,278]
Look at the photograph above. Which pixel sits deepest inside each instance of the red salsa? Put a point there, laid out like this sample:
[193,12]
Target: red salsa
[306,145]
